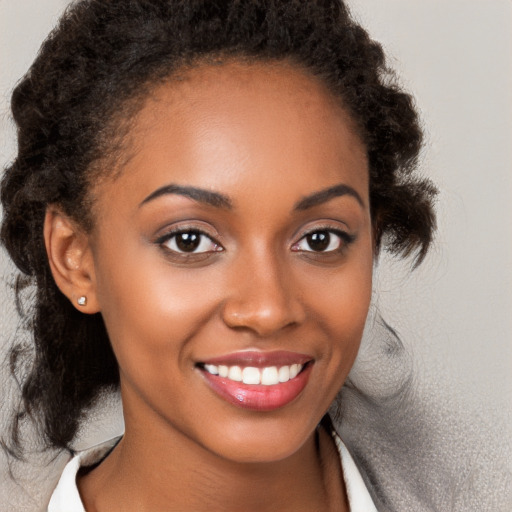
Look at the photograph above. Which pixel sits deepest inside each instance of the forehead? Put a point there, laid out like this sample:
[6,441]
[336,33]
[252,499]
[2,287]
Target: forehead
[251,124]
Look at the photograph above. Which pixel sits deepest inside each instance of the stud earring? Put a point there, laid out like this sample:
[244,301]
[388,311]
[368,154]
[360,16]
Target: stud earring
[82,301]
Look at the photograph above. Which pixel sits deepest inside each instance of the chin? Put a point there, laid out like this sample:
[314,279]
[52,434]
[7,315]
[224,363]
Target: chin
[271,441]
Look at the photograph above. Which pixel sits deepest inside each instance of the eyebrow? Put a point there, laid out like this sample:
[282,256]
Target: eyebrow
[219,200]
[327,194]
[197,194]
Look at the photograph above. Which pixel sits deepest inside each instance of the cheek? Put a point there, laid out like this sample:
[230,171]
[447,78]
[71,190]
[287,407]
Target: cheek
[149,307]
[341,307]
[152,319]
[346,304]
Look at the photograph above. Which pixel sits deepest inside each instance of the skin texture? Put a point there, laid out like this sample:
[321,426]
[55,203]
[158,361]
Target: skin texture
[265,136]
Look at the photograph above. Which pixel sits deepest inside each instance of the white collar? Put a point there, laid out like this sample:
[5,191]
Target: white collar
[359,498]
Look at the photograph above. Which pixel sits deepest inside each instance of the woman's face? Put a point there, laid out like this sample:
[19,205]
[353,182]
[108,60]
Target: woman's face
[236,243]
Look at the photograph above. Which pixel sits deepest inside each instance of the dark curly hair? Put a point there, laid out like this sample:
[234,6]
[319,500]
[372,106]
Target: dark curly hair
[73,108]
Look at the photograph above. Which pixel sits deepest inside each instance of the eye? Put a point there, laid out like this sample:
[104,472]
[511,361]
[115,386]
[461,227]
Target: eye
[189,242]
[323,241]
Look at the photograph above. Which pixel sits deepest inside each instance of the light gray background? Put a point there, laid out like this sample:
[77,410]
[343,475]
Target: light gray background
[455,311]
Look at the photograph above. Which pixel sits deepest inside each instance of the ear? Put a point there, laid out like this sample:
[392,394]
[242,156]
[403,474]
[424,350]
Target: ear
[71,259]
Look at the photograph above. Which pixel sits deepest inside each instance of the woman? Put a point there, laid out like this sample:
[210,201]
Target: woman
[200,193]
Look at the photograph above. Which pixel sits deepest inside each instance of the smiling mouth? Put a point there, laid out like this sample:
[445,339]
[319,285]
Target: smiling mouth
[258,384]
[268,375]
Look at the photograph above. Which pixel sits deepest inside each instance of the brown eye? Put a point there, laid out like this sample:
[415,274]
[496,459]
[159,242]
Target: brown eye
[319,241]
[323,241]
[188,242]
[191,242]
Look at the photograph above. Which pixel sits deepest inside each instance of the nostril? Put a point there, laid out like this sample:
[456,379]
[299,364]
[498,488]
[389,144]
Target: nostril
[262,320]
[262,298]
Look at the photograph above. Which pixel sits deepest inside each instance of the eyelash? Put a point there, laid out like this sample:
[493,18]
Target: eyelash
[345,240]
[167,237]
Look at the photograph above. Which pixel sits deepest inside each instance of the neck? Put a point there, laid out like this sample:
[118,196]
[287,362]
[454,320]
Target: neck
[179,474]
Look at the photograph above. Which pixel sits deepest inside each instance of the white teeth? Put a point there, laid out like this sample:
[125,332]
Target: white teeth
[211,368]
[284,374]
[251,375]
[235,373]
[268,376]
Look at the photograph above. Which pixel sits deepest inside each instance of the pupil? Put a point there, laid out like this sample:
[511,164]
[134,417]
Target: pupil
[319,241]
[188,242]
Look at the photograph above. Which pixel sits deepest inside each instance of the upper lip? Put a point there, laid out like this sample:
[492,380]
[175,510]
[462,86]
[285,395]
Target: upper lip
[259,359]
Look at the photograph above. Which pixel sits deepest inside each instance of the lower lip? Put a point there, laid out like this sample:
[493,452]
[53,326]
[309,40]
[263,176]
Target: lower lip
[259,397]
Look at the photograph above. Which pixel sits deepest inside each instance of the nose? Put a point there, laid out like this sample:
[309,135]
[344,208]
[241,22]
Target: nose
[264,297]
